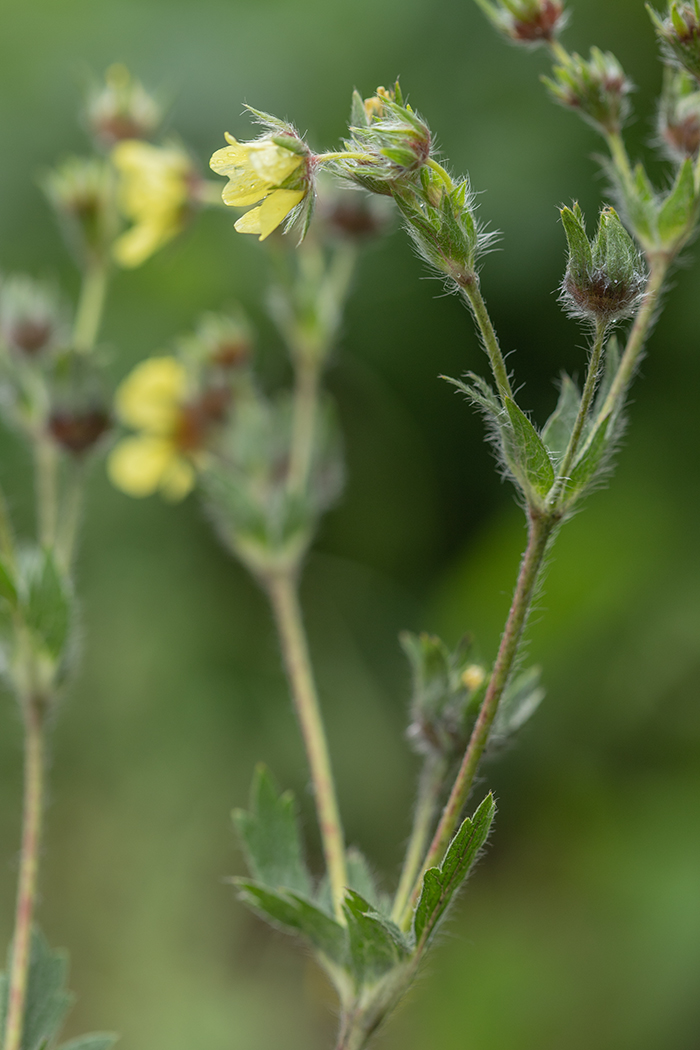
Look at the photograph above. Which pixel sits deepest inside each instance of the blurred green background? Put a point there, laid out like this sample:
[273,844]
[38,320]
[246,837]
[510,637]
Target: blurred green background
[581,927]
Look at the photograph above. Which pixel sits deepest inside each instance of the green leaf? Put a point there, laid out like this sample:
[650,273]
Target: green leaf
[47,610]
[8,587]
[376,944]
[47,998]
[519,702]
[589,460]
[530,459]
[678,210]
[441,884]
[560,424]
[479,393]
[298,915]
[271,839]
[94,1041]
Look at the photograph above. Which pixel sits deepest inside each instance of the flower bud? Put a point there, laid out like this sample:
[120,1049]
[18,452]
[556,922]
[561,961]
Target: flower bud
[31,316]
[221,342]
[604,278]
[81,191]
[121,109]
[597,88]
[391,142]
[526,21]
[679,115]
[78,414]
[447,691]
[679,34]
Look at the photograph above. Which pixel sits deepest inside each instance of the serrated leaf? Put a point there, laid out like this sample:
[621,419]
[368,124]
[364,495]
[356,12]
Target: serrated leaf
[271,839]
[93,1041]
[560,424]
[47,610]
[678,209]
[531,462]
[441,884]
[47,998]
[298,915]
[590,460]
[376,944]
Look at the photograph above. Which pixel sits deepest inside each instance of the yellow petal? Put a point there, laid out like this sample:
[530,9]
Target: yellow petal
[224,160]
[250,222]
[138,465]
[271,162]
[150,397]
[142,240]
[178,480]
[243,189]
[275,208]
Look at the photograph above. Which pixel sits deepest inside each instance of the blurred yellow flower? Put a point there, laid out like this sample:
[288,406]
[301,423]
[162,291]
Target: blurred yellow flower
[256,172]
[151,400]
[154,191]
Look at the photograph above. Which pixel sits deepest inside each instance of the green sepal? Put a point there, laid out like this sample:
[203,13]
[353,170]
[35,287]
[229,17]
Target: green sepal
[677,213]
[590,460]
[47,601]
[94,1041]
[580,261]
[376,945]
[441,884]
[296,914]
[358,113]
[525,452]
[47,999]
[270,834]
[558,428]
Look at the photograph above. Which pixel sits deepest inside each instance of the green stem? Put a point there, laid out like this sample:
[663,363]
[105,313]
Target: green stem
[584,408]
[342,155]
[431,783]
[559,52]
[540,530]
[282,590]
[637,336]
[618,152]
[28,872]
[46,480]
[7,539]
[90,306]
[303,424]
[70,513]
[472,291]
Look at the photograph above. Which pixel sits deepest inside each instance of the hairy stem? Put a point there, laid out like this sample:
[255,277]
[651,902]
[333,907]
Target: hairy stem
[46,481]
[472,291]
[584,409]
[90,306]
[282,590]
[430,786]
[540,530]
[28,871]
[618,152]
[637,336]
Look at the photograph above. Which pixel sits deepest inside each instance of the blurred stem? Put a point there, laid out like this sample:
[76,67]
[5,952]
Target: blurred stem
[540,530]
[90,306]
[304,423]
[431,782]
[559,52]
[472,291]
[284,598]
[584,408]
[618,152]
[7,539]
[46,480]
[28,872]
[71,509]
[637,337]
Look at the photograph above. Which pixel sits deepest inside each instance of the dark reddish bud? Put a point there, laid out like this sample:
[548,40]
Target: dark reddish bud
[78,431]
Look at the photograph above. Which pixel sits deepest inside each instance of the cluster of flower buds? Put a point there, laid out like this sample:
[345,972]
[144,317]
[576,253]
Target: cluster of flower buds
[605,277]
[121,108]
[679,34]
[81,191]
[597,88]
[275,172]
[679,115]
[448,688]
[526,21]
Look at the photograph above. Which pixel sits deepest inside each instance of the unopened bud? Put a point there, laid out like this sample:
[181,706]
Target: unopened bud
[31,316]
[605,277]
[78,415]
[679,34]
[78,431]
[122,109]
[81,191]
[597,87]
[220,341]
[526,21]
[679,115]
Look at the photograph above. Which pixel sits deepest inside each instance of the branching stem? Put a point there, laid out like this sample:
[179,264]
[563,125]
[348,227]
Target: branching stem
[282,590]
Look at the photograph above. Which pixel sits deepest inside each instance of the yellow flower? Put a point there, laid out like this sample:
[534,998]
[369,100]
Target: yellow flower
[154,192]
[151,400]
[257,171]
